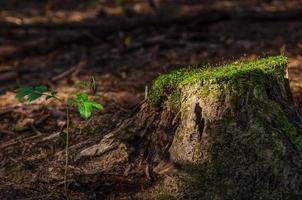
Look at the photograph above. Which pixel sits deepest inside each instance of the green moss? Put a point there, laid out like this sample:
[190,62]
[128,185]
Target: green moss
[277,115]
[252,69]
[175,100]
[288,128]
[285,125]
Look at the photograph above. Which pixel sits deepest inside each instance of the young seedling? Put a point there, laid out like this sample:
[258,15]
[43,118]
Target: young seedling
[79,100]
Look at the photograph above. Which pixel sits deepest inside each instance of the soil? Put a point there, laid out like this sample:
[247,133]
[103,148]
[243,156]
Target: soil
[124,62]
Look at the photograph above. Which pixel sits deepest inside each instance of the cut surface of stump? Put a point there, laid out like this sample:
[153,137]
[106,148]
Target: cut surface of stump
[226,132]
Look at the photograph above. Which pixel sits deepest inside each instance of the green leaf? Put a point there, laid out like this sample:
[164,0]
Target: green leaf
[81,97]
[34,96]
[85,110]
[96,105]
[23,91]
[41,88]
[84,105]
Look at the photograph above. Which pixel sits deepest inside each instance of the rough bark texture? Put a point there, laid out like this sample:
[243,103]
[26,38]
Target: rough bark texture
[210,134]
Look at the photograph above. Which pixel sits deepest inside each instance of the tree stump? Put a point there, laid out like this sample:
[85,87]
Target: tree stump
[228,132]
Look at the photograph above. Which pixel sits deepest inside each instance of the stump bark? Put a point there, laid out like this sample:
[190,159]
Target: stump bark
[228,132]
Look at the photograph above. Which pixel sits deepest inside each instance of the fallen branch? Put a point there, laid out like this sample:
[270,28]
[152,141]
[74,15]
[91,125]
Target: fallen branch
[83,32]
[146,20]
[72,71]
[6,76]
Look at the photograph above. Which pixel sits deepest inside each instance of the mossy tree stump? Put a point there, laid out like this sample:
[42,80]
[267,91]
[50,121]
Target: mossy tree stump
[230,132]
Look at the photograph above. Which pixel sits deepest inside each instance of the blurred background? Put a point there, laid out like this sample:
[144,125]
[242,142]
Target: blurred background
[126,43]
[41,39]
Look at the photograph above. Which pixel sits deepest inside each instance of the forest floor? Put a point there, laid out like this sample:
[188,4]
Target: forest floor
[124,52]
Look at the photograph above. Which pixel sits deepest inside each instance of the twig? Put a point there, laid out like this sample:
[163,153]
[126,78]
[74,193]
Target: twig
[7,132]
[37,197]
[42,119]
[79,66]
[52,136]
[66,151]
[64,74]
[35,130]
[72,71]
[146,92]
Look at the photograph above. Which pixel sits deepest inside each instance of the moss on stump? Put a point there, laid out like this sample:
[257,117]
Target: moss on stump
[253,69]
[239,134]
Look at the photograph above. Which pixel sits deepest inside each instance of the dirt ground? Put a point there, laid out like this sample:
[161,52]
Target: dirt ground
[124,48]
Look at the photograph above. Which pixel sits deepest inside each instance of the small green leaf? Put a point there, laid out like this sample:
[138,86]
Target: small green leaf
[41,88]
[23,91]
[81,97]
[84,105]
[96,105]
[34,96]
[85,110]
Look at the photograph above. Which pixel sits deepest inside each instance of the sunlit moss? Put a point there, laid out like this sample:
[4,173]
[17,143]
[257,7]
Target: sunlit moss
[249,68]
[175,100]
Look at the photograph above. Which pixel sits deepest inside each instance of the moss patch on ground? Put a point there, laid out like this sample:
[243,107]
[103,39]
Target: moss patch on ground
[254,69]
